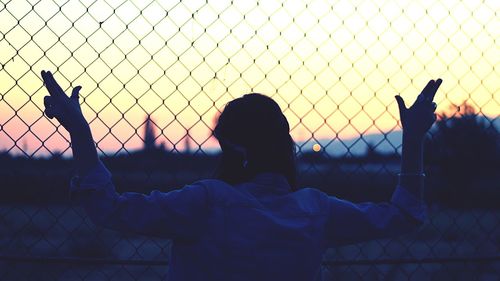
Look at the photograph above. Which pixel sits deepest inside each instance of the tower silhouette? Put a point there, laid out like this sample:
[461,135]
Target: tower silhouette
[187,143]
[149,134]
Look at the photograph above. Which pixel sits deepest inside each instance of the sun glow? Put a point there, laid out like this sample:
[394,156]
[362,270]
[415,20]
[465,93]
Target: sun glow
[334,68]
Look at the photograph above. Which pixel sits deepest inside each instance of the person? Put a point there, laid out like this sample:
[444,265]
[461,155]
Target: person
[251,222]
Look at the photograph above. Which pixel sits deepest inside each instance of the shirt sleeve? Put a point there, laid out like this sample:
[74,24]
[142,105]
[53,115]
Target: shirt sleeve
[175,214]
[350,223]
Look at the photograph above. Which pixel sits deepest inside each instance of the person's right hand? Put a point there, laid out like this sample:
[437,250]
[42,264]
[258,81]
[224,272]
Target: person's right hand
[65,109]
[418,119]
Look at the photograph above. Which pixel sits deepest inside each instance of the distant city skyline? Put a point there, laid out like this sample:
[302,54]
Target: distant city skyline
[151,135]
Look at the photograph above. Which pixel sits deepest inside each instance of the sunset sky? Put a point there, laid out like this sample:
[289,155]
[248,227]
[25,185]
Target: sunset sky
[333,66]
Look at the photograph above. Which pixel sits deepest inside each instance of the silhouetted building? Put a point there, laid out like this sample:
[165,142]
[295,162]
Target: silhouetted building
[187,143]
[371,152]
[149,135]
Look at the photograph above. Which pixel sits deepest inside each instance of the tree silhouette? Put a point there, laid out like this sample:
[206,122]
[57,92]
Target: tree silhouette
[464,146]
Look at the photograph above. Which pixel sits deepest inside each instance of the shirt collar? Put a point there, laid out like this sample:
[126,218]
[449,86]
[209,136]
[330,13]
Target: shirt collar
[274,182]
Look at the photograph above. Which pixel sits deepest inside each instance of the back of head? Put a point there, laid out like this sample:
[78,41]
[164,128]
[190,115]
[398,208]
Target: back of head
[254,137]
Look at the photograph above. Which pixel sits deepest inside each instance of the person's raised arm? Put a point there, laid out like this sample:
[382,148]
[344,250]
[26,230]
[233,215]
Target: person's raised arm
[416,121]
[179,213]
[69,114]
[350,223]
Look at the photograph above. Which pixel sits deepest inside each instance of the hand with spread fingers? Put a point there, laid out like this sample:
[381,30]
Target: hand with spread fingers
[65,109]
[68,112]
[418,119]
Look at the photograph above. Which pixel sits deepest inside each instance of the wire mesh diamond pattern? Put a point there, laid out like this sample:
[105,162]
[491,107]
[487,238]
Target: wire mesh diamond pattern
[169,67]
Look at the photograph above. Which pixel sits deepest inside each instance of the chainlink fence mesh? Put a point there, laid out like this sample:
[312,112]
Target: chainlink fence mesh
[155,74]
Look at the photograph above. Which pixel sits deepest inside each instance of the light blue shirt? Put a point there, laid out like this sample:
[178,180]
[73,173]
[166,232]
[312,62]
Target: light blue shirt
[258,230]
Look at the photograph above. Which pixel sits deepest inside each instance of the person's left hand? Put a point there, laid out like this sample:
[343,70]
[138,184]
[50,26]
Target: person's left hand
[65,109]
[418,119]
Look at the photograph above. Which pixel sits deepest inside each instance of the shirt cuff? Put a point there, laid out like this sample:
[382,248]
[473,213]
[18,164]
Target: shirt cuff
[409,203]
[97,178]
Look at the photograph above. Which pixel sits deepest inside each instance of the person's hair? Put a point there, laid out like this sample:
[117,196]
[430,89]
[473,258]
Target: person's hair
[254,137]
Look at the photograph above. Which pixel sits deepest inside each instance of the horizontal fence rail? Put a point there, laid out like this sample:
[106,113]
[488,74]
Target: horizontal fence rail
[72,260]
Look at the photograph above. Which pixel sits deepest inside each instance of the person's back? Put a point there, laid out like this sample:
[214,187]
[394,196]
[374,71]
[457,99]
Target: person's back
[253,231]
[251,222]
[257,230]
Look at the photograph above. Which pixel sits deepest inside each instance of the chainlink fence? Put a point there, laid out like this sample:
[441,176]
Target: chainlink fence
[155,74]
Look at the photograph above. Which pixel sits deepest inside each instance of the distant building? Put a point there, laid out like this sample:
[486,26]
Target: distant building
[187,142]
[149,135]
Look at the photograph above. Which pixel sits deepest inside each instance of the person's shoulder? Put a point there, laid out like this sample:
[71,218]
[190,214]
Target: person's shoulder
[213,186]
[212,183]
[312,194]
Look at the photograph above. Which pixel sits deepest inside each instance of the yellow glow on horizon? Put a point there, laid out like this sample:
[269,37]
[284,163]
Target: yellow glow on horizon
[334,67]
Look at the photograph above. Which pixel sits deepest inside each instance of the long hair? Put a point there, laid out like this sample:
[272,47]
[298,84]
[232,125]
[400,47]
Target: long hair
[254,137]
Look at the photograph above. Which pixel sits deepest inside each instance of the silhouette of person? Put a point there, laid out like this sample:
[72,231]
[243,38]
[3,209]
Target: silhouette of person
[250,222]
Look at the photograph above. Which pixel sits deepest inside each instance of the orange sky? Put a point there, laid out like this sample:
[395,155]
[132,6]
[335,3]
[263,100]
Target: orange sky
[332,67]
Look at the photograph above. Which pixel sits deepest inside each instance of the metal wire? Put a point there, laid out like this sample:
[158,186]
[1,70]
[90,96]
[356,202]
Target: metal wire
[168,67]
